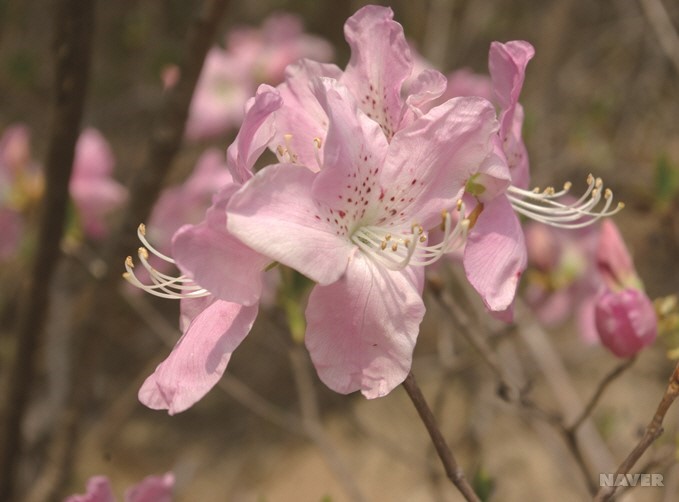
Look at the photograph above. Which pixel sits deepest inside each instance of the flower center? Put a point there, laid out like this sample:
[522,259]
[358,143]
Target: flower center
[397,249]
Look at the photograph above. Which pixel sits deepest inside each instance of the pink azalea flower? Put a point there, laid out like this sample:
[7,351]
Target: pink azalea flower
[231,75]
[495,254]
[562,278]
[95,193]
[221,283]
[625,317]
[357,228]
[150,489]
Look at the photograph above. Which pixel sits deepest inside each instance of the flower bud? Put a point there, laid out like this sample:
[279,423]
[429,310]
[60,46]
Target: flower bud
[626,321]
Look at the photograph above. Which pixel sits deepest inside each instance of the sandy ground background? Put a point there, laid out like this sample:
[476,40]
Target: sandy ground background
[601,95]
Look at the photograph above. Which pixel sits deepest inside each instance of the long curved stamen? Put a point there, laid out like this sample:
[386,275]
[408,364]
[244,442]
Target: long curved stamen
[164,285]
[396,250]
[544,207]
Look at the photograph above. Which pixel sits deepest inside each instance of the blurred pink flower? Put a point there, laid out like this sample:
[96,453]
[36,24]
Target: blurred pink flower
[20,186]
[95,193]
[150,489]
[251,57]
[626,321]
[624,315]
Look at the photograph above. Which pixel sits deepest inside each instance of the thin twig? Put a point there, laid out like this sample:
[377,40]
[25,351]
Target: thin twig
[450,465]
[73,36]
[603,385]
[660,22]
[653,430]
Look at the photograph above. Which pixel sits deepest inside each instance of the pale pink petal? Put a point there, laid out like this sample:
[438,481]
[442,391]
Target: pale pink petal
[187,203]
[98,490]
[301,118]
[274,214]
[354,153]
[199,359]
[464,82]
[15,153]
[613,259]
[423,93]
[495,254]
[224,86]
[507,64]
[190,308]
[93,155]
[626,321]
[152,489]
[255,133]
[430,161]
[218,261]
[380,63]
[361,330]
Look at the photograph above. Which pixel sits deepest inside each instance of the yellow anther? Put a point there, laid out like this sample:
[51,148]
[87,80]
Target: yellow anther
[608,193]
[567,186]
[394,246]
[143,253]
[423,238]
[129,262]
[590,179]
[383,245]
[142,229]
[387,237]
[318,142]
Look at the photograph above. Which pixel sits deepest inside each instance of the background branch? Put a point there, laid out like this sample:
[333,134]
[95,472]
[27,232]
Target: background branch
[73,25]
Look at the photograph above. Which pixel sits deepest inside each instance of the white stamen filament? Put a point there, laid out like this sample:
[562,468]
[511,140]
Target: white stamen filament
[164,285]
[396,250]
[542,206]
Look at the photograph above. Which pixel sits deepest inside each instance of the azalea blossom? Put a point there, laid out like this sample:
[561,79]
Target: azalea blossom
[625,317]
[221,282]
[150,489]
[95,193]
[358,227]
[495,255]
[231,75]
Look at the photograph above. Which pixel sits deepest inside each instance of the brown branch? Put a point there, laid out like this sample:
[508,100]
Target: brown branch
[603,385]
[453,470]
[660,22]
[72,48]
[653,431]
[96,300]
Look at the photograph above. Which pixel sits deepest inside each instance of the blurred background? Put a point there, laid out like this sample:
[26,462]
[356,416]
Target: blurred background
[600,96]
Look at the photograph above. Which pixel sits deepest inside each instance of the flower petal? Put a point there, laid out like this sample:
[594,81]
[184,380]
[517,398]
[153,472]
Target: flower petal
[361,330]
[152,489]
[301,118]
[217,260]
[255,133]
[98,490]
[495,254]
[275,215]
[429,162]
[380,63]
[199,359]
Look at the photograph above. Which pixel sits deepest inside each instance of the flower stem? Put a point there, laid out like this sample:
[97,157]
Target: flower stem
[653,431]
[453,470]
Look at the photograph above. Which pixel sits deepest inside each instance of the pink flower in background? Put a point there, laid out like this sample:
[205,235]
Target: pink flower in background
[624,315]
[150,489]
[221,283]
[251,57]
[356,228]
[95,193]
[21,184]
[562,279]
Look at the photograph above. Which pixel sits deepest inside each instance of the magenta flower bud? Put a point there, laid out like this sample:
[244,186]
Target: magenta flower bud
[626,321]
